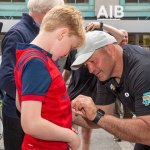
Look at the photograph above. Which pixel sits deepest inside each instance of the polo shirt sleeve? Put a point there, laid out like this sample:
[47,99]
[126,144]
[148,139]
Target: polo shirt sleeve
[104,95]
[140,90]
[70,59]
[35,80]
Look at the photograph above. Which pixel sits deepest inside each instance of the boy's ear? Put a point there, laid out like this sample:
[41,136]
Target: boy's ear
[63,32]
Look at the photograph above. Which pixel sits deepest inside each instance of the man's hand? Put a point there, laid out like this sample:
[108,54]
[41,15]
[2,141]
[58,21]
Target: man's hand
[92,26]
[85,107]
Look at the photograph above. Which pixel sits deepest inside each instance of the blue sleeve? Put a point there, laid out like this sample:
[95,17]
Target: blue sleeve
[7,82]
[35,78]
[19,33]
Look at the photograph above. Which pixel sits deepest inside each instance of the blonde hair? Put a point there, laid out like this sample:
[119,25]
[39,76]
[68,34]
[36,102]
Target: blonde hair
[42,5]
[65,16]
[124,32]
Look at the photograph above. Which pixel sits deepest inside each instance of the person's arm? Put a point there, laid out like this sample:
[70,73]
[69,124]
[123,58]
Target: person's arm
[118,34]
[135,130]
[66,74]
[7,82]
[81,120]
[104,100]
[38,127]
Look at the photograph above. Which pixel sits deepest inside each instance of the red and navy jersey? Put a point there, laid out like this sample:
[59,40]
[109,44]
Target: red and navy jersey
[38,78]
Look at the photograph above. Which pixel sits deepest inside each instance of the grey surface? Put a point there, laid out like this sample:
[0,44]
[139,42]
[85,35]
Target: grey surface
[102,140]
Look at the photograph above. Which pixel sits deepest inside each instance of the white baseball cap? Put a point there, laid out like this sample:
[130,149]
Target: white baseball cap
[94,40]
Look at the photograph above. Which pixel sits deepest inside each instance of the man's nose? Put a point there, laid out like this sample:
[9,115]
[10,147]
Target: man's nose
[90,68]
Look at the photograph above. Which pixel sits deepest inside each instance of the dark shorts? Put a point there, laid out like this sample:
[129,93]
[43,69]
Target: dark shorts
[13,133]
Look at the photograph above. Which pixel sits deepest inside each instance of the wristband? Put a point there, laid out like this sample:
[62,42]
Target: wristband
[100,113]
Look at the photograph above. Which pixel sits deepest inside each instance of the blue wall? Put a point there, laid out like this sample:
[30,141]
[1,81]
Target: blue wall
[10,10]
[136,9]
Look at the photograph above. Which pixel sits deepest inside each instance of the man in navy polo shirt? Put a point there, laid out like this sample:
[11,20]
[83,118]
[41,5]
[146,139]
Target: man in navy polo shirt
[124,73]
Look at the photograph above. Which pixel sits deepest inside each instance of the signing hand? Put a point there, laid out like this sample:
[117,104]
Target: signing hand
[84,106]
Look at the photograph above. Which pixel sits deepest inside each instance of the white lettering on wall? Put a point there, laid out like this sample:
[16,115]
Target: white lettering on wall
[114,12]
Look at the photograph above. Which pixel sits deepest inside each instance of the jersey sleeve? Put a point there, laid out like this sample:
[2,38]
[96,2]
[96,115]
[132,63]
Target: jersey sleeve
[35,80]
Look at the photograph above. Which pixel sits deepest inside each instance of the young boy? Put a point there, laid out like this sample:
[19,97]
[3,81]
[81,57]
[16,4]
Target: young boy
[42,97]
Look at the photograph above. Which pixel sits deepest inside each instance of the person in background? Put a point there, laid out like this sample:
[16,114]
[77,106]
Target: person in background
[124,73]
[125,39]
[83,82]
[24,31]
[118,34]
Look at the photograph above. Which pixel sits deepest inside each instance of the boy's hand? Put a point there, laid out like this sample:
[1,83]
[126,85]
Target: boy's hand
[74,141]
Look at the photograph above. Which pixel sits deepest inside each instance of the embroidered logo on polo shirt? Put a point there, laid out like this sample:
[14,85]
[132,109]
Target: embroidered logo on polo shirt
[146,98]
[126,94]
[112,87]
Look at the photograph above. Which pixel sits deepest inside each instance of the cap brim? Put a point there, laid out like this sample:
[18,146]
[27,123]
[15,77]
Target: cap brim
[80,60]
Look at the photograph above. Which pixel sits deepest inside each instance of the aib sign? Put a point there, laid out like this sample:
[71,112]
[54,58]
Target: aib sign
[113,12]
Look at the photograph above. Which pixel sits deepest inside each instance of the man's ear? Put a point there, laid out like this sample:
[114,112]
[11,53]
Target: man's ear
[62,32]
[111,50]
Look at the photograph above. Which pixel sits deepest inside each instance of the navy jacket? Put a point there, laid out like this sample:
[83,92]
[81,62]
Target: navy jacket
[24,32]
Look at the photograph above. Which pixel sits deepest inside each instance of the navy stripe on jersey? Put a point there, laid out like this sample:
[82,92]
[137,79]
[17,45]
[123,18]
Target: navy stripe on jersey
[34,71]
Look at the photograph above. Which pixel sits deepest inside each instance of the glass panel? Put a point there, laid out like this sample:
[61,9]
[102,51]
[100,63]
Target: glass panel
[69,1]
[143,39]
[146,40]
[82,1]
[137,1]
[76,1]
[5,0]
[144,1]
[131,1]
[131,38]
[18,0]
[12,1]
